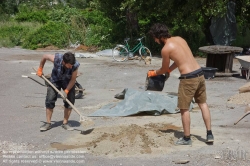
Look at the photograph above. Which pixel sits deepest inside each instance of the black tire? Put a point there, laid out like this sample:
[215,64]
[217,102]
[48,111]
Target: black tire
[78,94]
[120,53]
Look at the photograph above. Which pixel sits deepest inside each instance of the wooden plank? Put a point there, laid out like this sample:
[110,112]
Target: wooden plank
[216,61]
[218,49]
[230,58]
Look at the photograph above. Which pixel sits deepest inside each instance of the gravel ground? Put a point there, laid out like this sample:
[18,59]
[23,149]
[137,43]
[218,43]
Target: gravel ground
[134,140]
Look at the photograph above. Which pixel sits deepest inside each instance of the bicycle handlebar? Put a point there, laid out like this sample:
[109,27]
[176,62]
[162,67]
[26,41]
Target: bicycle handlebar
[139,39]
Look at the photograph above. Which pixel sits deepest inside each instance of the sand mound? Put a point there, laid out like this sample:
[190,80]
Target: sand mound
[241,98]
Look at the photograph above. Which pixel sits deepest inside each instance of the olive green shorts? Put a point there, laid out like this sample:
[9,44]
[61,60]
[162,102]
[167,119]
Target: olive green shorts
[189,89]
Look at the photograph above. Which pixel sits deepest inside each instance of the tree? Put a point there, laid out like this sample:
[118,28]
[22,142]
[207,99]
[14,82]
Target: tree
[190,18]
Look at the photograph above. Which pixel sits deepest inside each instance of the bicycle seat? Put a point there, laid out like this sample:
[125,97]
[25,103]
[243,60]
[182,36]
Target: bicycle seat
[126,39]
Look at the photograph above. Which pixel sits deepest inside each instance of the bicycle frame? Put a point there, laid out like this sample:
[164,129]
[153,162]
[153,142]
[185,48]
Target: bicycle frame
[135,48]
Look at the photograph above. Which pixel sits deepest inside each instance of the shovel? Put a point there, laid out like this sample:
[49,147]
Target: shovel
[247,113]
[83,119]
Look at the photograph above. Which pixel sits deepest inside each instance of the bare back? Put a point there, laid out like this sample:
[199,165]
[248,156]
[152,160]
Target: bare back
[177,49]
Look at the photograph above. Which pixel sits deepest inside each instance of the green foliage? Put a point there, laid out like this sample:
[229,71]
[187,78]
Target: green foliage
[25,14]
[9,6]
[4,17]
[105,23]
[77,3]
[187,18]
[214,8]
[77,30]
[96,36]
[99,29]
[112,10]
[65,26]
[52,33]
[73,19]
[64,14]
[243,37]
[13,33]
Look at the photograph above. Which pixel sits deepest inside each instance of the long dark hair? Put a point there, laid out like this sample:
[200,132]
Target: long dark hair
[159,31]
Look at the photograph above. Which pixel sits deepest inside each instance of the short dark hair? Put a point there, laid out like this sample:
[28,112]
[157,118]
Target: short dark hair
[159,31]
[69,57]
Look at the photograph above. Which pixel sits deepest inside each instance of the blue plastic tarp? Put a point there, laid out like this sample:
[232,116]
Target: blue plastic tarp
[136,102]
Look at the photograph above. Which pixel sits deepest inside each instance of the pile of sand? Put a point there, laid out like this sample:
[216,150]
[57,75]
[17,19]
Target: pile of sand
[241,98]
[123,140]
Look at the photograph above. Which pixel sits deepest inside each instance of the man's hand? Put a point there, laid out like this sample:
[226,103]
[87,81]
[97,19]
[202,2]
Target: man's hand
[152,73]
[65,94]
[39,71]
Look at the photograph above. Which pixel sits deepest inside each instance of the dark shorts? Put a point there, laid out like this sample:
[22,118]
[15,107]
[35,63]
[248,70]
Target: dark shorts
[191,86]
[52,95]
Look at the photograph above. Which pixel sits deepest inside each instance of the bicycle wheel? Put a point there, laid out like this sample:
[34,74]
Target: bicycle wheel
[78,94]
[120,53]
[144,52]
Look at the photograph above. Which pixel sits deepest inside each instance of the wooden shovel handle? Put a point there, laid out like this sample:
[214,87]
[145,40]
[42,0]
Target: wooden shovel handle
[242,117]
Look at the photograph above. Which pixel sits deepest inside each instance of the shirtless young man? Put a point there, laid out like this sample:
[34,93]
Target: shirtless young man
[192,81]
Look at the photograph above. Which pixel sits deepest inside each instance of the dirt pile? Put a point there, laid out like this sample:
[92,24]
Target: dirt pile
[124,140]
[241,98]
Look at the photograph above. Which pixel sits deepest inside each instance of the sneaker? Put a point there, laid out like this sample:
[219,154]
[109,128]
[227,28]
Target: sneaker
[45,127]
[181,141]
[210,138]
[67,127]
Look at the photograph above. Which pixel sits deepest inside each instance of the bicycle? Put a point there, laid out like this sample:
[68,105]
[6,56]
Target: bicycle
[122,52]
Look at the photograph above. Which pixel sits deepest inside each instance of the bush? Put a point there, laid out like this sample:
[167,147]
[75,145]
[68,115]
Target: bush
[13,33]
[243,37]
[32,16]
[99,29]
[28,14]
[4,17]
[51,33]
[73,19]
[64,15]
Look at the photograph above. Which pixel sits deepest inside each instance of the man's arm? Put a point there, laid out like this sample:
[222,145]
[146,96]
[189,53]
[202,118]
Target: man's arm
[72,81]
[45,57]
[172,67]
[165,62]
[165,68]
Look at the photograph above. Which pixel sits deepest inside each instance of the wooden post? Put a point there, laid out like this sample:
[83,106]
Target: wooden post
[229,63]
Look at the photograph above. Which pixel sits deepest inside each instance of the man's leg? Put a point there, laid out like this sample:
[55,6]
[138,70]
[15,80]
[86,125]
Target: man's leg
[50,104]
[185,117]
[68,109]
[67,112]
[47,126]
[207,120]
[65,124]
[49,113]
[205,114]
[184,100]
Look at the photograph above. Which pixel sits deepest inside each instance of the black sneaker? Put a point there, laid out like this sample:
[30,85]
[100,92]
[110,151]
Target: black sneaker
[45,127]
[182,141]
[210,138]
